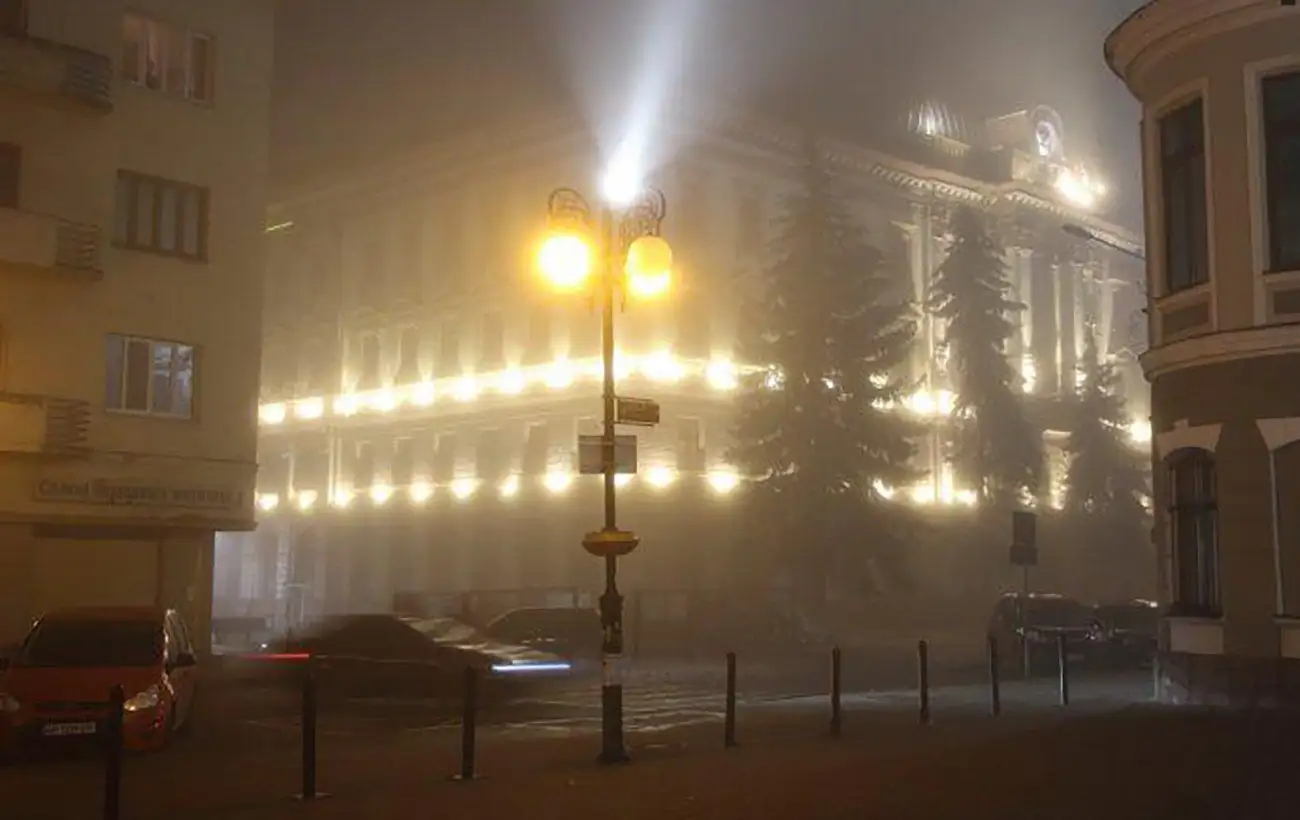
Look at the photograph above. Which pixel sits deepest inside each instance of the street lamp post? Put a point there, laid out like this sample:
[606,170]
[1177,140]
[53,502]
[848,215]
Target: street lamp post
[629,258]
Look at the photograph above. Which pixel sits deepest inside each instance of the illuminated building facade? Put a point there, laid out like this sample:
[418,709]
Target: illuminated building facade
[133,161]
[1219,83]
[422,395]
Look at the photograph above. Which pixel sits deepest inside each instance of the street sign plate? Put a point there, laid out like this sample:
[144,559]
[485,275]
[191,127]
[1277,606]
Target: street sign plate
[1022,556]
[591,462]
[641,412]
[1024,528]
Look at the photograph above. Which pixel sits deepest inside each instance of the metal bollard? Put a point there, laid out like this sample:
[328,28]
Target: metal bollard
[995,682]
[923,681]
[113,754]
[310,708]
[729,727]
[468,725]
[837,723]
[1063,666]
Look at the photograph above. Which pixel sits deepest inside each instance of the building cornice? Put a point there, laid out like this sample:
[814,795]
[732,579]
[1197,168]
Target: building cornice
[1162,27]
[1214,348]
[730,127]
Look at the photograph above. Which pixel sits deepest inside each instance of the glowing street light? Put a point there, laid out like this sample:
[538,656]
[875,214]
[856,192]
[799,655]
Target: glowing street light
[615,253]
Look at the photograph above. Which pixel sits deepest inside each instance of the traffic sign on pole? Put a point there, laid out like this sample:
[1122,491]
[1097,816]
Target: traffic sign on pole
[640,412]
[591,456]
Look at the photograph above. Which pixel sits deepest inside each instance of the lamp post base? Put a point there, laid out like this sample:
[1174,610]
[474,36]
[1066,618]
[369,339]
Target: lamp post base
[611,701]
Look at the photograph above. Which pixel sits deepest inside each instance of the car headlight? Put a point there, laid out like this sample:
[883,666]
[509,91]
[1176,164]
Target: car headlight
[8,704]
[144,701]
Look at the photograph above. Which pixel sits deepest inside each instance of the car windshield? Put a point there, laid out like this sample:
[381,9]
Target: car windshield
[449,630]
[1135,618]
[73,643]
[1060,612]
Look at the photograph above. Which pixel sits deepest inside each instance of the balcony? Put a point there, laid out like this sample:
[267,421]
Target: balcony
[57,71]
[46,244]
[43,425]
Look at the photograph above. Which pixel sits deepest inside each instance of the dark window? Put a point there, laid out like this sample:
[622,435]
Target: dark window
[403,467]
[369,363]
[311,469]
[1194,531]
[690,446]
[491,455]
[149,376]
[449,352]
[444,458]
[13,18]
[364,475]
[89,644]
[408,353]
[492,353]
[539,336]
[11,164]
[161,216]
[1281,95]
[536,450]
[1182,177]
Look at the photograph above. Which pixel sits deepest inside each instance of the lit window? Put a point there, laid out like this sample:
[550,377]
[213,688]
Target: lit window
[150,377]
[163,57]
[1281,97]
[161,216]
[1182,177]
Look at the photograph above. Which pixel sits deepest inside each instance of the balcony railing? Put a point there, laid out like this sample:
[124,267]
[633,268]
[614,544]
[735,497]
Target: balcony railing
[57,69]
[43,243]
[43,425]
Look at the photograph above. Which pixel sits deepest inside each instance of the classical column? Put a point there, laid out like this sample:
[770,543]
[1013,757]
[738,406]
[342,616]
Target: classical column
[1042,309]
[1067,358]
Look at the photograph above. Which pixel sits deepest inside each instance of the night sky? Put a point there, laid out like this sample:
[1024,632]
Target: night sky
[359,78]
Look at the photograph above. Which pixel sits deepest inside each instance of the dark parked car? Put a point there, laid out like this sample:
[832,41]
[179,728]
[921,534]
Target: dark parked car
[572,633]
[1126,634]
[1032,626]
[388,656]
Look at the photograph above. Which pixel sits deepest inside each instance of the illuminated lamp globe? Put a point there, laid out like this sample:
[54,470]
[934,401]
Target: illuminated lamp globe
[649,267]
[565,261]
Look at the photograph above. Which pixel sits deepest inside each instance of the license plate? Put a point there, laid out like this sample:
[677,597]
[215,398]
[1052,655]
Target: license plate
[67,729]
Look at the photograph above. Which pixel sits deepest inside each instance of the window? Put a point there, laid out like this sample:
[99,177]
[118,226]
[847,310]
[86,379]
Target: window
[167,58]
[1281,98]
[1193,523]
[161,216]
[536,450]
[1182,178]
[150,377]
[539,336]
[369,363]
[492,353]
[490,455]
[403,464]
[449,352]
[11,164]
[13,18]
[690,446]
[408,356]
[363,472]
[444,458]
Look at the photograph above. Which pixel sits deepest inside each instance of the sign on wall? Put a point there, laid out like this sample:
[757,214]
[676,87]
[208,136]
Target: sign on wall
[136,494]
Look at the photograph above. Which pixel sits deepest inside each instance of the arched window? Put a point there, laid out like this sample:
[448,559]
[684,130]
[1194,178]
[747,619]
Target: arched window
[1194,532]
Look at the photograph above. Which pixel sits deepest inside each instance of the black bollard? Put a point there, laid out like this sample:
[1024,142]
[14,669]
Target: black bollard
[113,754]
[468,725]
[1063,666]
[729,727]
[923,681]
[995,682]
[837,724]
[310,707]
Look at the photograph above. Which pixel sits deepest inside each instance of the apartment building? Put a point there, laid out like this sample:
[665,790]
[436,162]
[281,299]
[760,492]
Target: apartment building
[133,164]
[423,394]
[1219,83]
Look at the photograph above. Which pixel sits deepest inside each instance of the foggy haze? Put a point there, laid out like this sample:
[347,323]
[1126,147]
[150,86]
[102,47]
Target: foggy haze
[410,70]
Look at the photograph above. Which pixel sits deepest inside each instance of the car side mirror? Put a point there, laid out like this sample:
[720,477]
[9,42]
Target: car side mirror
[185,660]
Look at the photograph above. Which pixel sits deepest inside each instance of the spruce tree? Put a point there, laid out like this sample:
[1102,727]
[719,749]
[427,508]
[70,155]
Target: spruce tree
[993,446]
[1106,481]
[815,430]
